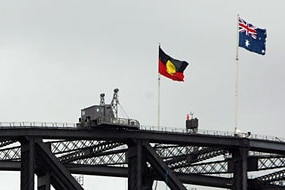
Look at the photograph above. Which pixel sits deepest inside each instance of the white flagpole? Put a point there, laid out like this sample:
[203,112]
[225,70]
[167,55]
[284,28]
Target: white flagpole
[158,105]
[158,94]
[237,77]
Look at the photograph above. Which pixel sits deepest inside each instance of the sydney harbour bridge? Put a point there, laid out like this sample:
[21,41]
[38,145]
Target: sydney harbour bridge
[51,154]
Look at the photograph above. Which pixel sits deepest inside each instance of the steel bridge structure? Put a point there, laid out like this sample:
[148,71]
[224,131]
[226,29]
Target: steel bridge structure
[178,158]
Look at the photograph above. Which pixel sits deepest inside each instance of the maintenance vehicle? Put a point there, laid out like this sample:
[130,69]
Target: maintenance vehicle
[106,115]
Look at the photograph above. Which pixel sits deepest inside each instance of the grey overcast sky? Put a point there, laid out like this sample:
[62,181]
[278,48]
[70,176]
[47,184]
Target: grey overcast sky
[57,56]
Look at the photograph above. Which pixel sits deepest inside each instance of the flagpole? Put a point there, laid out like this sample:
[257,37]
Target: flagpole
[237,77]
[158,105]
[158,93]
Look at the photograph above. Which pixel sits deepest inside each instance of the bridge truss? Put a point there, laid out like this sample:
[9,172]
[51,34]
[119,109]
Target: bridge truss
[142,156]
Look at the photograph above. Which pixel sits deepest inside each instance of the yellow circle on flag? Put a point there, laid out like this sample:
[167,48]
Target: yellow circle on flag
[170,67]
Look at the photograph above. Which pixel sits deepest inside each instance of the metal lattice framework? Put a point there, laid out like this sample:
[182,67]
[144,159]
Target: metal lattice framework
[141,155]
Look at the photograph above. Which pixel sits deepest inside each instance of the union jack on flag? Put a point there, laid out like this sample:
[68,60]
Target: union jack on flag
[251,37]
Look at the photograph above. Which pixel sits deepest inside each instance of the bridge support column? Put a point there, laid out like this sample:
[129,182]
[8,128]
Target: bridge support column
[44,182]
[27,163]
[240,168]
[139,177]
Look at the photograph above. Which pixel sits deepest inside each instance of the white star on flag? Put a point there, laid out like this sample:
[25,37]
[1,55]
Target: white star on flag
[247,43]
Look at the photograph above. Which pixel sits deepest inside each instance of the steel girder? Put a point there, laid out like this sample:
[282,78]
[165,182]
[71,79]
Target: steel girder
[210,167]
[162,169]
[194,158]
[276,178]
[27,163]
[88,152]
[36,158]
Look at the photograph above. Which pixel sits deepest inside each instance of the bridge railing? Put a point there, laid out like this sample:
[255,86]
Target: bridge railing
[212,132]
[33,124]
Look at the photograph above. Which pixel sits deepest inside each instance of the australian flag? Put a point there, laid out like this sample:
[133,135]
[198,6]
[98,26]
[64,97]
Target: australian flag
[251,37]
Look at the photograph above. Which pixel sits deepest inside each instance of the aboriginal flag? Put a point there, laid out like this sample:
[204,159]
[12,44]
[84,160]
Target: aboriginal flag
[170,67]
